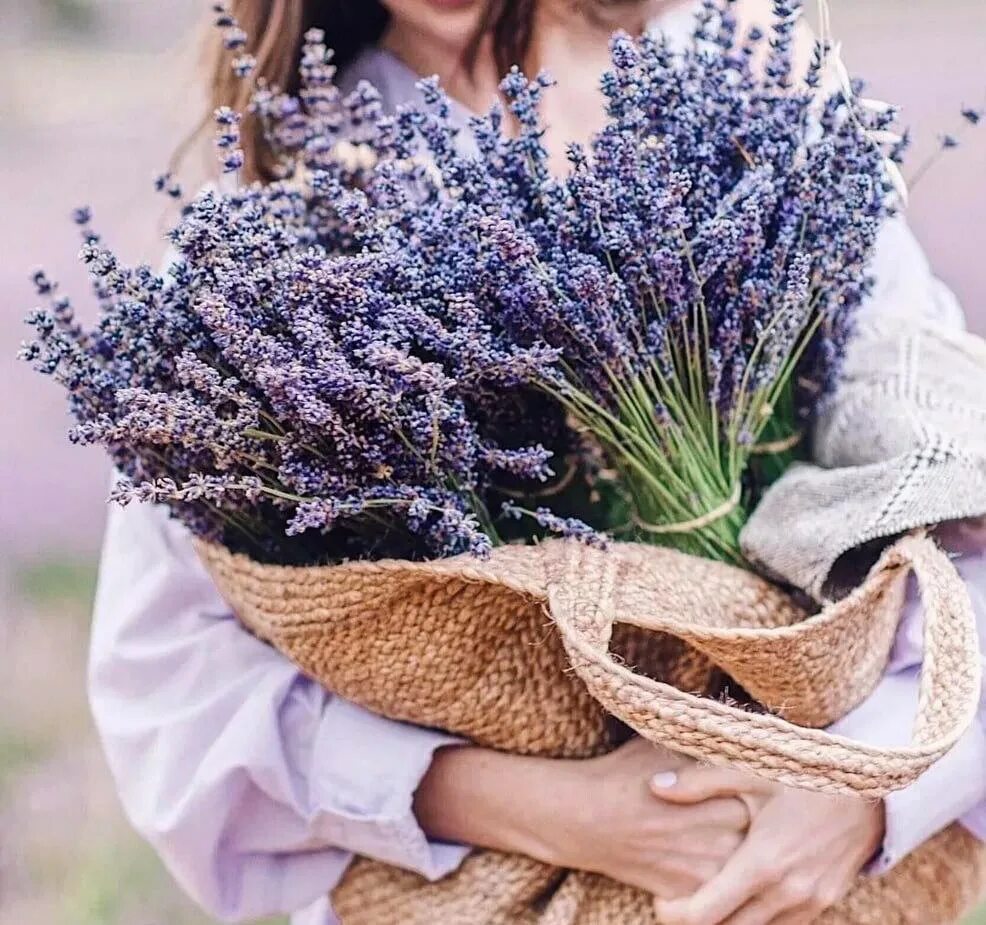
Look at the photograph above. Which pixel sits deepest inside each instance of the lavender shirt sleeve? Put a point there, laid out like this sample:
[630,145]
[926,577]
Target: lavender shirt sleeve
[254,785]
[955,787]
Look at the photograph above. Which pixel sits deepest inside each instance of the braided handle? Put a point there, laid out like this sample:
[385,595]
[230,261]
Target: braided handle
[766,744]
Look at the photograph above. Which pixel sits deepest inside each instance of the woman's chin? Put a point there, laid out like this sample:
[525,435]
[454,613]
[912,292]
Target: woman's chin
[448,22]
[452,5]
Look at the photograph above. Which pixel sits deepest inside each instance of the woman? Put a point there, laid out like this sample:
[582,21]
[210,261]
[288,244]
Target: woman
[256,786]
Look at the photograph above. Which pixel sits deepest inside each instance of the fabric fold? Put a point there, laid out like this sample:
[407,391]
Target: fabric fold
[901,445]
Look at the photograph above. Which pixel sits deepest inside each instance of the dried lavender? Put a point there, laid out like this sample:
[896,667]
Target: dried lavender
[366,357]
[270,389]
[295,387]
[698,270]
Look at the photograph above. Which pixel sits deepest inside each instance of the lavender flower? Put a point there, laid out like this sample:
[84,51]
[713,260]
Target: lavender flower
[697,272]
[568,527]
[296,404]
[371,354]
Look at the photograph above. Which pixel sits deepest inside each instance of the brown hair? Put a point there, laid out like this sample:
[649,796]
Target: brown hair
[276,30]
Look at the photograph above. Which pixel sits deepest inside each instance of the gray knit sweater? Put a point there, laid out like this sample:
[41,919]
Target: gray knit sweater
[902,444]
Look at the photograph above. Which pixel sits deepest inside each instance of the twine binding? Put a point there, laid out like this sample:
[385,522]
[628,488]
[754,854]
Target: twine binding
[777,446]
[696,523]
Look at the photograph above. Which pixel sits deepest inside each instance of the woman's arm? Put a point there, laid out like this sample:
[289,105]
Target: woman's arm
[256,786]
[252,782]
[598,815]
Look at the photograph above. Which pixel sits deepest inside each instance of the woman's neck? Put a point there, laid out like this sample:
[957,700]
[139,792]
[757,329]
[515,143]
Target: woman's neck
[472,84]
[573,48]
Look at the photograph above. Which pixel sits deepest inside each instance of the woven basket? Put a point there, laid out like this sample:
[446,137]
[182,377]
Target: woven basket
[485,649]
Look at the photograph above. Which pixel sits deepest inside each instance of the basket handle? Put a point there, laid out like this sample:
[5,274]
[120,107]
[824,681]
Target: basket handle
[766,744]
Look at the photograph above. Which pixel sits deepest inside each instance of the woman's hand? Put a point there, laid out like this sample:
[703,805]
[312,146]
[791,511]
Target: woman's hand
[598,815]
[801,855]
[621,830]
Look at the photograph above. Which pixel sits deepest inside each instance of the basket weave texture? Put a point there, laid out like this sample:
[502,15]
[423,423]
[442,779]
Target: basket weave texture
[535,649]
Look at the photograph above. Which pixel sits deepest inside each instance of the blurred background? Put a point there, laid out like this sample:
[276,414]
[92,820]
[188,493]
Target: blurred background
[94,96]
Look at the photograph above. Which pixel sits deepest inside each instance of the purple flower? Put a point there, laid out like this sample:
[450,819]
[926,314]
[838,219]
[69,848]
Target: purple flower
[366,356]
[292,401]
[566,527]
[703,260]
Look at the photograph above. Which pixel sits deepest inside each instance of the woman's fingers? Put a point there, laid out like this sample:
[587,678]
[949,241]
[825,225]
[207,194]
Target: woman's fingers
[695,783]
[830,889]
[800,857]
[740,880]
[794,900]
[728,814]
[712,842]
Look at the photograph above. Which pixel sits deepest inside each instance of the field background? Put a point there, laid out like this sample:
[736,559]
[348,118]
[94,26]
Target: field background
[93,95]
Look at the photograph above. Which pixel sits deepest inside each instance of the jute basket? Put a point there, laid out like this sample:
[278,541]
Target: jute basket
[534,649]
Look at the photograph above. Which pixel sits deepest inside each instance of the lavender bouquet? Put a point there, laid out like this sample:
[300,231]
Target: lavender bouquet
[697,271]
[403,339]
[285,391]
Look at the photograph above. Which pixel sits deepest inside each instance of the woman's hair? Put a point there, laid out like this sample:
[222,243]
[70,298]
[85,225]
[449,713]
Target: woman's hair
[276,31]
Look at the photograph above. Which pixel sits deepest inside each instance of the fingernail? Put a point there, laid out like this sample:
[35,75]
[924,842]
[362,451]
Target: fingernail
[664,780]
